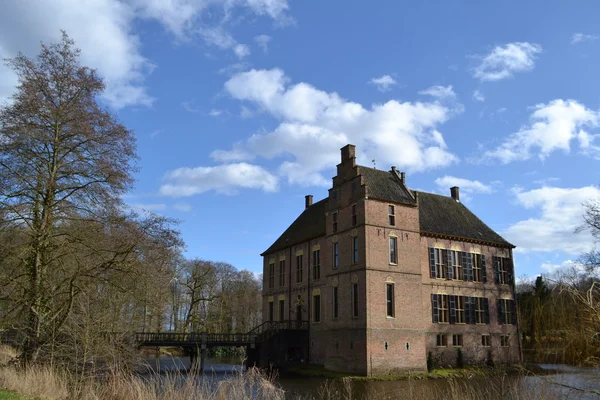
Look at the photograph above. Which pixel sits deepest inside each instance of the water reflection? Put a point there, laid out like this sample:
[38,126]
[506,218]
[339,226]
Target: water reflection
[553,386]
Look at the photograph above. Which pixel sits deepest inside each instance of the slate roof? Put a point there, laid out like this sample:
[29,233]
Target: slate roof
[438,214]
[310,224]
[386,186]
[443,215]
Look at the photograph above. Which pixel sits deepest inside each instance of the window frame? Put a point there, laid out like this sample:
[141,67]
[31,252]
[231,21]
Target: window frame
[281,273]
[271,310]
[336,255]
[281,309]
[355,245]
[354,216]
[504,340]
[334,221]
[299,268]
[391,215]
[441,340]
[440,263]
[271,275]
[355,300]
[393,250]
[457,340]
[443,299]
[316,308]
[486,340]
[335,302]
[460,309]
[316,264]
[390,300]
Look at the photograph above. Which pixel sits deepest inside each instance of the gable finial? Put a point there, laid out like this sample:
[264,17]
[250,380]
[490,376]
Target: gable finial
[374,164]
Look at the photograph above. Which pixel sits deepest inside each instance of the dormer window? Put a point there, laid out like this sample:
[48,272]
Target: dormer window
[392,215]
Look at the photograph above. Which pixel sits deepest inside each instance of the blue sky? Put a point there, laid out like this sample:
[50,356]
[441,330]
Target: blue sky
[240,107]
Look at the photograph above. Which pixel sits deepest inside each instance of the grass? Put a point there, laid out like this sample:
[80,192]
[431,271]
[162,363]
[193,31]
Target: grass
[5,395]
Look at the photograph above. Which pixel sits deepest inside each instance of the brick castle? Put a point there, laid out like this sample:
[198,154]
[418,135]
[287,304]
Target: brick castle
[387,276]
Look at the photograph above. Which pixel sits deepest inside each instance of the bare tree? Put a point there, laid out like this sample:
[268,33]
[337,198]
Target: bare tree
[64,162]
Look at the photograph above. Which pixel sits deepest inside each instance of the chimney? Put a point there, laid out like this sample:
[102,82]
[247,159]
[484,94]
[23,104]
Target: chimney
[348,152]
[403,178]
[454,193]
[308,201]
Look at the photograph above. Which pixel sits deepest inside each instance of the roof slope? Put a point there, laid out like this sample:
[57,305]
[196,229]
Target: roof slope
[386,185]
[443,215]
[310,224]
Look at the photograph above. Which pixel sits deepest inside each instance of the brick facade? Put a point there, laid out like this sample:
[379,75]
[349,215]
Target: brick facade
[363,338]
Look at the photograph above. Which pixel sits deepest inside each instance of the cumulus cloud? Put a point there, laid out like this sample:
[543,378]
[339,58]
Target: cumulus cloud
[315,124]
[225,179]
[104,30]
[582,37]
[263,42]
[478,96]
[383,83]
[467,187]
[559,213]
[503,61]
[552,127]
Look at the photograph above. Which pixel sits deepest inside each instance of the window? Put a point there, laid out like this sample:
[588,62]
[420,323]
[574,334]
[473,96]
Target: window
[282,273]
[503,270]
[270,311]
[392,215]
[393,250]
[504,340]
[485,340]
[317,308]
[457,340]
[353,186]
[355,299]
[479,274]
[299,271]
[460,309]
[456,264]
[437,263]
[439,307]
[354,215]
[441,340]
[282,310]
[390,309]
[336,255]
[507,313]
[355,249]
[482,314]
[335,302]
[317,264]
[271,275]
[334,217]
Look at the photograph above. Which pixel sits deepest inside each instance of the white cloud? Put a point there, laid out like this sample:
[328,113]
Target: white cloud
[560,212]
[503,61]
[99,28]
[582,37]
[552,127]
[215,113]
[440,92]
[315,124]
[263,42]
[224,179]
[466,186]
[384,83]
[565,266]
[241,50]
[190,106]
[478,96]
[104,30]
